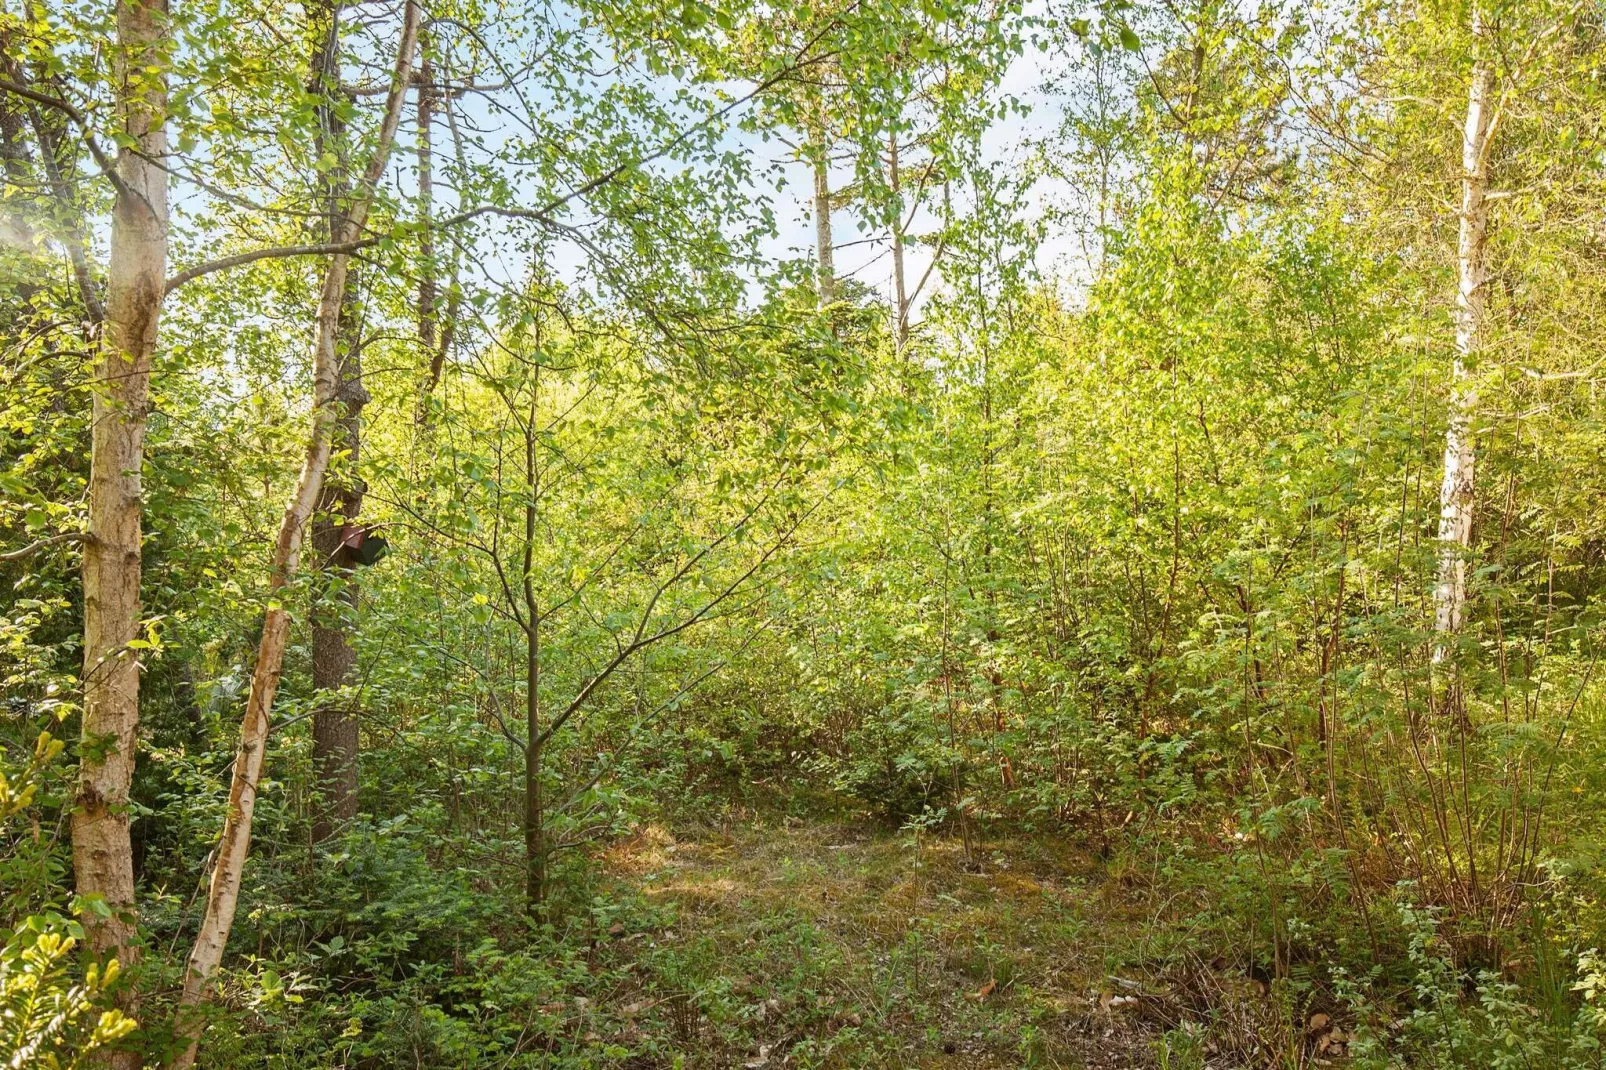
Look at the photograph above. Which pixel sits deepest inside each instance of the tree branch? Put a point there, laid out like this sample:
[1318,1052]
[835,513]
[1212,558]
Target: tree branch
[331,248]
[40,544]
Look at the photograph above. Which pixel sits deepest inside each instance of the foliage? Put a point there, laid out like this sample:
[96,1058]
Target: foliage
[1113,554]
[42,1013]
[46,1017]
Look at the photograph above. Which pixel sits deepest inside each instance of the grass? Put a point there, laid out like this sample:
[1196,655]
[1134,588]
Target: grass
[772,941]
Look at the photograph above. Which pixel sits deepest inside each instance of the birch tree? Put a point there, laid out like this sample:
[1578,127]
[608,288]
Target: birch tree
[223,894]
[102,854]
[1457,491]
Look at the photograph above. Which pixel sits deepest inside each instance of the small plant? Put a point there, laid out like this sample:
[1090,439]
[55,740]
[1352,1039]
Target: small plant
[45,1018]
[1495,1025]
[1180,1049]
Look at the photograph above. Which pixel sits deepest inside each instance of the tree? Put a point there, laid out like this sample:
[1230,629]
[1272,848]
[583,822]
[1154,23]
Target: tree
[234,847]
[335,723]
[135,278]
[1457,494]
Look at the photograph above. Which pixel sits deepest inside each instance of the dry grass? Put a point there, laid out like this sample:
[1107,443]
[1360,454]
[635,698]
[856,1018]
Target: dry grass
[830,944]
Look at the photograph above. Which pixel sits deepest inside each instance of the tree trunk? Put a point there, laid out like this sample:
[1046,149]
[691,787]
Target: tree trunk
[535,847]
[223,894]
[335,721]
[15,230]
[428,291]
[1456,494]
[900,297]
[102,853]
[431,331]
[825,261]
[535,851]
[62,189]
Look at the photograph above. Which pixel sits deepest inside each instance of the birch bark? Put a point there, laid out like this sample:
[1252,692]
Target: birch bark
[223,893]
[824,240]
[822,233]
[900,296]
[1457,492]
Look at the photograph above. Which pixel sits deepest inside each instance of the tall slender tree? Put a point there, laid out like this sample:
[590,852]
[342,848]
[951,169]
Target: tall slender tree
[334,721]
[223,894]
[1458,489]
[103,860]
[819,151]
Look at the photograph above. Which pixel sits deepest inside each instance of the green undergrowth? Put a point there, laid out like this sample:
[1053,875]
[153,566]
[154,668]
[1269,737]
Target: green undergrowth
[803,934]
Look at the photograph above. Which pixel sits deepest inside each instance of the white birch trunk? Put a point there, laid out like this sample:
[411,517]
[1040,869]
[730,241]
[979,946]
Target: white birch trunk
[824,241]
[900,296]
[103,861]
[1456,494]
[223,894]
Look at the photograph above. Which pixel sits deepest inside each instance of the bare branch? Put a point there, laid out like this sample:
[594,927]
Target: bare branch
[40,544]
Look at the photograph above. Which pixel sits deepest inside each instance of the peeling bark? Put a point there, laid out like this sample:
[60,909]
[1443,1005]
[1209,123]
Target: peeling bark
[103,861]
[234,846]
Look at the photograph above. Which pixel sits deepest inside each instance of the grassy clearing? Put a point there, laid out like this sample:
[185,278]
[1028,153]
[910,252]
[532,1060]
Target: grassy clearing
[770,940]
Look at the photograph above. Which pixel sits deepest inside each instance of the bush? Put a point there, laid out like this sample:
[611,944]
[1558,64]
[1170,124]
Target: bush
[899,765]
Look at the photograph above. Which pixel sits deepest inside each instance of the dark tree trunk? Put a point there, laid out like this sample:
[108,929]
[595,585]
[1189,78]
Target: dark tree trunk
[335,721]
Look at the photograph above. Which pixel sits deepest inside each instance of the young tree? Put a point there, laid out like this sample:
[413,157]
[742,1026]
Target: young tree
[224,889]
[1457,493]
[595,548]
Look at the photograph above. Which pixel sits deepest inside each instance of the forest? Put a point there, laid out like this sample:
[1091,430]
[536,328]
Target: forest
[803,533]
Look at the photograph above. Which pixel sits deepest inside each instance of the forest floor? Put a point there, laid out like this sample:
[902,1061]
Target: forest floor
[786,941]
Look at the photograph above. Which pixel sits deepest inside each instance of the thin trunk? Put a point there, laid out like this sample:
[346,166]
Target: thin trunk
[61,189]
[334,721]
[13,112]
[443,326]
[223,894]
[825,261]
[535,851]
[103,861]
[899,293]
[1456,494]
[535,847]
[17,231]
[428,290]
